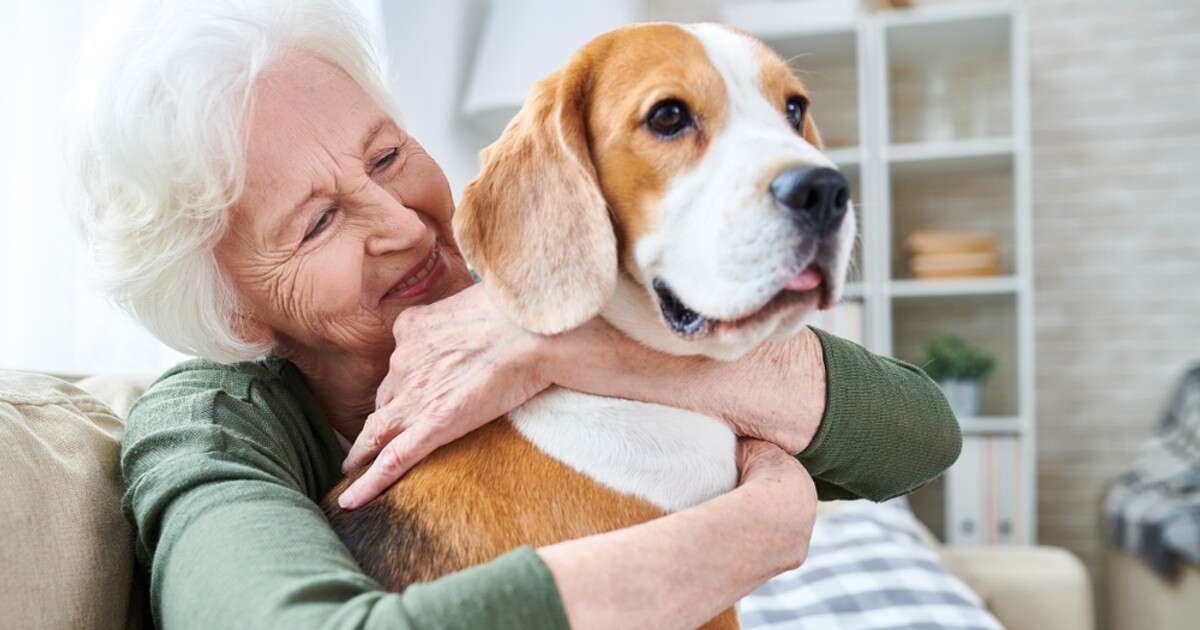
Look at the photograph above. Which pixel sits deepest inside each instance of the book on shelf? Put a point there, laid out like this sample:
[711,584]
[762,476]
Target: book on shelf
[947,254]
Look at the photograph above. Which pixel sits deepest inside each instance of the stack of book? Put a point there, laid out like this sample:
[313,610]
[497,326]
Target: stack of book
[933,254]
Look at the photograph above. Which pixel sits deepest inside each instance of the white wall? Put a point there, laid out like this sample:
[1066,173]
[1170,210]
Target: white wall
[1116,158]
[430,46]
[52,317]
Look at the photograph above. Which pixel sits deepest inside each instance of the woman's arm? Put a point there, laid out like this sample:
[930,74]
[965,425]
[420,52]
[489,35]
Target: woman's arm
[866,426]
[681,570]
[219,476]
[776,392]
[233,541]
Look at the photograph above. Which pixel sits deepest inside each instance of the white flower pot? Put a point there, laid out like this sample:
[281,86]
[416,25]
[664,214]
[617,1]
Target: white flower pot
[963,396]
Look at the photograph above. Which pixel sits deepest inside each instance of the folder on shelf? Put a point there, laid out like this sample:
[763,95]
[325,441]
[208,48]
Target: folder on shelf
[984,492]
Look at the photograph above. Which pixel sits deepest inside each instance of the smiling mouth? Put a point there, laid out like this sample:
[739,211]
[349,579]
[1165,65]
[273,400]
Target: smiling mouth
[414,282]
[810,285]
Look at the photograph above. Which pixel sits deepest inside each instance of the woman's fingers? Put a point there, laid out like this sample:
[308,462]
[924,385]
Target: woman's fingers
[754,456]
[748,448]
[384,395]
[380,428]
[759,459]
[788,490]
[394,460]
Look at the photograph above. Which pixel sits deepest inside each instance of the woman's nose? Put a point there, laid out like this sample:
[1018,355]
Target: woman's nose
[394,227]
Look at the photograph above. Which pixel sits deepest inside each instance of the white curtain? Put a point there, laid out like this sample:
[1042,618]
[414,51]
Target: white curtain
[52,318]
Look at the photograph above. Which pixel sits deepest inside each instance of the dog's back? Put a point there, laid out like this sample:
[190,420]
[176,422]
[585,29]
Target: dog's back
[563,466]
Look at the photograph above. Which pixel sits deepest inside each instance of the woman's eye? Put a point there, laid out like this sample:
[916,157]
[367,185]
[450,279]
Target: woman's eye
[322,222]
[385,160]
[796,108]
[668,118]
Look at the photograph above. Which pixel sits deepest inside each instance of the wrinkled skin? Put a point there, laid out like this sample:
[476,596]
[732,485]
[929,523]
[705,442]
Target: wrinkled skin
[311,279]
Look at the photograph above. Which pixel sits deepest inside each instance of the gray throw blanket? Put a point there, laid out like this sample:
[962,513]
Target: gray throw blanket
[1154,509]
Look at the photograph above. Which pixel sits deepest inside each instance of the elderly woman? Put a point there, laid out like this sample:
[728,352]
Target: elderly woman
[253,200]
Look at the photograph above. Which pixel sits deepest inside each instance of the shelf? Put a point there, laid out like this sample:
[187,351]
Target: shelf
[991,425]
[954,286]
[954,156]
[988,322]
[949,32]
[926,112]
[774,21]
[812,51]
[947,13]
[845,157]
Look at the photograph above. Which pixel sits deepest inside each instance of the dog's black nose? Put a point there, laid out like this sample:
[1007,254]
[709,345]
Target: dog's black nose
[816,196]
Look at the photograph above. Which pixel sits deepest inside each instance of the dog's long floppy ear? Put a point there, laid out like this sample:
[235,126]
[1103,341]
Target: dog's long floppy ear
[811,134]
[535,224]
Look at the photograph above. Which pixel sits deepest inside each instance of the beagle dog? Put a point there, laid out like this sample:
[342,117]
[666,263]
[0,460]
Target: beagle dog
[670,180]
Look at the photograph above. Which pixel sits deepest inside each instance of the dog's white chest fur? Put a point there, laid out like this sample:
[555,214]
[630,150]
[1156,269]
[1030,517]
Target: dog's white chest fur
[670,457]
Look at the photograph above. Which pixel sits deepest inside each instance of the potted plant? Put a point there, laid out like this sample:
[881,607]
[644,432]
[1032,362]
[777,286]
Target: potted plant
[959,370]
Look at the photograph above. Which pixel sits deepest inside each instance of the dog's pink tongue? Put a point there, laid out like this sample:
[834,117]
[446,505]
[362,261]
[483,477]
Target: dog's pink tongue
[810,278]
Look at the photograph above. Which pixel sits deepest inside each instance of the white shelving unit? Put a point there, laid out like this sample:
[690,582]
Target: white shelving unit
[977,178]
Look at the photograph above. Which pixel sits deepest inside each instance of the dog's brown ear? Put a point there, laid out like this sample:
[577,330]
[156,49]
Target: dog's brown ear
[535,224]
[811,134]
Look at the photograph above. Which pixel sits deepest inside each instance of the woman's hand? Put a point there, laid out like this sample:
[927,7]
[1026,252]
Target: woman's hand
[786,493]
[680,570]
[458,364]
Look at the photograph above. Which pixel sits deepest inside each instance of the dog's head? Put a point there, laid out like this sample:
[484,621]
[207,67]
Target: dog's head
[670,178]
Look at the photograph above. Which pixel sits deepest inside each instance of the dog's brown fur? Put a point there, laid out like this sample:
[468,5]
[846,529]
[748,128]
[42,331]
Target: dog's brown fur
[486,493]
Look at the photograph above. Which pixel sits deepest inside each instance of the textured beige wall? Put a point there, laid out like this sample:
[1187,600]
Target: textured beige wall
[1116,191]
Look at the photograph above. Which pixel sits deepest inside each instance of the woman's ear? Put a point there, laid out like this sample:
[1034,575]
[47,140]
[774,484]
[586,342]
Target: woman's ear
[535,224]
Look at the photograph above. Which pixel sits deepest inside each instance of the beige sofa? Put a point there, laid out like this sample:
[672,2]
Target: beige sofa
[1025,587]
[1137,598]
[67,552]
[66,549]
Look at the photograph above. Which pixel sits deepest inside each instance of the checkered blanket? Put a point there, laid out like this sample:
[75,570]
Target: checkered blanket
[1154,509]
[867,568]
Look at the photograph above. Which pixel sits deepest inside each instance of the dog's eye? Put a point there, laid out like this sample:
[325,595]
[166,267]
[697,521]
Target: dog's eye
[668,118]
[796,108]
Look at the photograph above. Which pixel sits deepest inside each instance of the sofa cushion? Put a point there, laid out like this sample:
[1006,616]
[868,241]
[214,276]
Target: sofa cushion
[867,567]
[66,549]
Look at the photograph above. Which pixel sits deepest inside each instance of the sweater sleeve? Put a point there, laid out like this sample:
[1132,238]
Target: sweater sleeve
[232,540]
[887,430]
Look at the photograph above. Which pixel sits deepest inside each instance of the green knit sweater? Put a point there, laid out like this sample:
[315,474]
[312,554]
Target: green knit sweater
[223,466]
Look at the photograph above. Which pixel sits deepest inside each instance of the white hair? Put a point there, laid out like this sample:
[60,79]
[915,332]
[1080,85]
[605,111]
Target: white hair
[161,151]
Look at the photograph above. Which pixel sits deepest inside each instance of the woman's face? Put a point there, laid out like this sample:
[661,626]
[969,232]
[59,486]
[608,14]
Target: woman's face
[344,221]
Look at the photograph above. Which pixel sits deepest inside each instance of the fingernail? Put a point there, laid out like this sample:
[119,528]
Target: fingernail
[346,500]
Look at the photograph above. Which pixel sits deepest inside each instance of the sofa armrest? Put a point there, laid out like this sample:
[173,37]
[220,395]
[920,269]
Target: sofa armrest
[1027,588]
[117,391]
